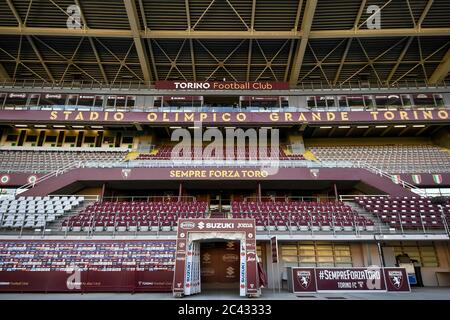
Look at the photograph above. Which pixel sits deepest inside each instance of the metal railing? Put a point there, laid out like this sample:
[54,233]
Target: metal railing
[47,176]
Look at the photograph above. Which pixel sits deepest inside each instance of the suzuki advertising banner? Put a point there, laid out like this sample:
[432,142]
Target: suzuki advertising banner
[366,279]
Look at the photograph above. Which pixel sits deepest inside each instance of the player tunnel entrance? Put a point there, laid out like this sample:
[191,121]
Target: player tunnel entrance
[214,254]
[219,265]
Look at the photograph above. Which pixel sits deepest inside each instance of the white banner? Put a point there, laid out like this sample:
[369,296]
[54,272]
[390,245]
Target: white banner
[242,270]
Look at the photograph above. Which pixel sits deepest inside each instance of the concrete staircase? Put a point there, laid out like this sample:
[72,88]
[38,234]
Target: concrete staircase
[57,225]
[379,226]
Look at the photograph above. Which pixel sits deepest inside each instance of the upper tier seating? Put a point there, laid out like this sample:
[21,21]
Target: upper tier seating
[35,212]
[164,152]
[87,255]
[48,161]
[302,216]
[134,216]
[390,158]
[407,212]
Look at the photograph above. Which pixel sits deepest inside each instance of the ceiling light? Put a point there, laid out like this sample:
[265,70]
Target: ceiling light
[400,126]
[21,126]
[362,127]
[381,127]
[419,126]
[344,127]
[58,126]
[325,127]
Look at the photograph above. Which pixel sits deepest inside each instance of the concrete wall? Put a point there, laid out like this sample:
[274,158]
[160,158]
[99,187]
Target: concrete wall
[365,254]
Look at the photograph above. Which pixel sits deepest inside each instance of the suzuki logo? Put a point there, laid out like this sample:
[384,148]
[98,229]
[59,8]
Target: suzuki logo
[201,225]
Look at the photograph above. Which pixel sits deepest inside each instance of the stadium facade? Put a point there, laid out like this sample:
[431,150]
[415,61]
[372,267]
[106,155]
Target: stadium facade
[234,175]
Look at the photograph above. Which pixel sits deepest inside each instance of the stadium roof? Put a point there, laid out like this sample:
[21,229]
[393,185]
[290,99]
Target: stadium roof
[300,41]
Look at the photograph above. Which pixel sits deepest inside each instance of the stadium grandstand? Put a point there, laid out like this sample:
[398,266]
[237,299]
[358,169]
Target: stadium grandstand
[195,146]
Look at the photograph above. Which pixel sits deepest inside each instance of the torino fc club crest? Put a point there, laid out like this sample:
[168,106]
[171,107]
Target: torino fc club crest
[396,278]
[304,278]
[126,173]
[314,173]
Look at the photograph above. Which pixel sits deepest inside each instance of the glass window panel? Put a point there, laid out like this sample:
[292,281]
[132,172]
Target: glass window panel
[342,253]
[308,259]
[72,100]
[325,264]
[325,253]
[98,101]
[343,259]
[110,101]
[324,259]
[290,258]
[291,264]
[17,99]
[304,252]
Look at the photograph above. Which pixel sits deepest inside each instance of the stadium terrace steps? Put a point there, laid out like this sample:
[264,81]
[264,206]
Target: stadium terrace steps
[74,212]
[408,213]
[35,212]
[302,216]
[379,226]
[133,216]
[37,161]
[401,158]
[164,152]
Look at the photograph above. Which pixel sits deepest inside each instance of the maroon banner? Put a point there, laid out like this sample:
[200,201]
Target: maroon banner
[350,279]
[221,85]
[86,281]
[304,280]
[396,279]
[422,179]
[260,118]
[363,279]
[274,246]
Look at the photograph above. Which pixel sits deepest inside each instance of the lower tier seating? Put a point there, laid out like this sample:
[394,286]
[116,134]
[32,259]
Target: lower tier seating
[302,216]
[87,255]
[407,212]
[134,216]
[35,212]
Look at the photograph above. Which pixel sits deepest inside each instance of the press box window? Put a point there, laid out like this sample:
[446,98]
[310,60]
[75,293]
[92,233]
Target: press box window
[70,139]
[127,140]
[89,139]
[50,139]
[18,99]
[31,138]
[87,101]
[108,139]
[12,138]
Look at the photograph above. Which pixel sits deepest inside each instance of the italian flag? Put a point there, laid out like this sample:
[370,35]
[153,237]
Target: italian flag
[396,178]
[417,178]
[437,178]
